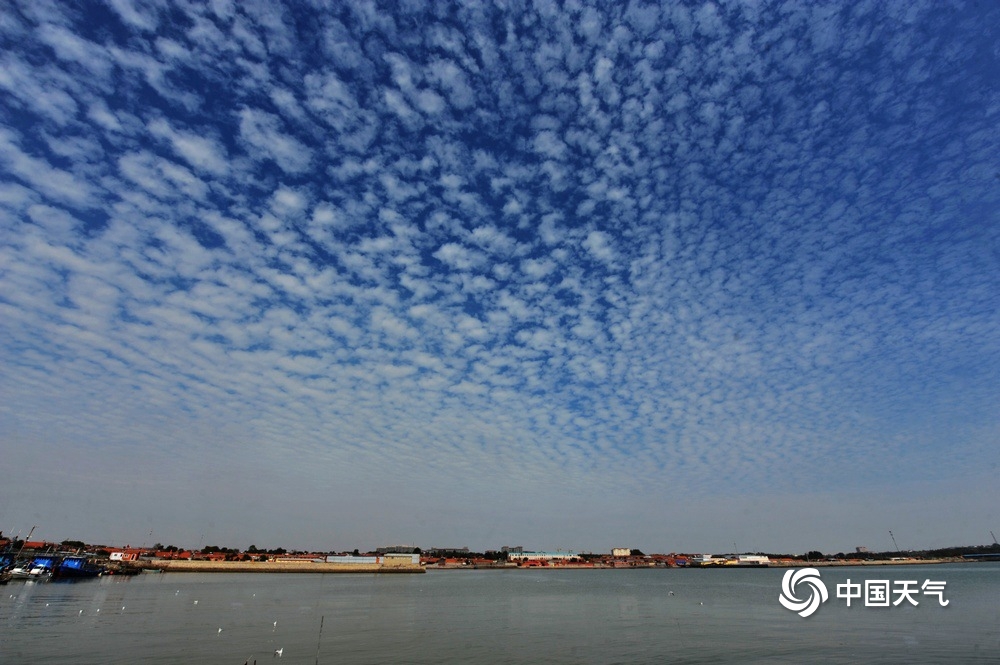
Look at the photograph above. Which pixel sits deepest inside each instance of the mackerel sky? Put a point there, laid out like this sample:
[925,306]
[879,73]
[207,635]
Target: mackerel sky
[682,277]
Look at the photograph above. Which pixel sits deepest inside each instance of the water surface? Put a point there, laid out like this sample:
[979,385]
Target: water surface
[518,616]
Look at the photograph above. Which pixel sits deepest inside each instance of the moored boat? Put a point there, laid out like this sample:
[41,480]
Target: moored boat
[75,567]
[42,567]
[32,570]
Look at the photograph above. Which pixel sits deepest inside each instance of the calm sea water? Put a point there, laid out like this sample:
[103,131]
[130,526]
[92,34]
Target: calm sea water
[533,616]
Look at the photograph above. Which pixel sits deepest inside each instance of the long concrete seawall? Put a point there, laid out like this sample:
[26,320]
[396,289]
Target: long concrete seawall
[184,566]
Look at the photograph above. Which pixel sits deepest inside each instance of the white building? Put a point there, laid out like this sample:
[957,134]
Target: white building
[752,560]
[621,551]
[542,556]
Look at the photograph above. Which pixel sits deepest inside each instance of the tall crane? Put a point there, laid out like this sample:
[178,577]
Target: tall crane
[894,542]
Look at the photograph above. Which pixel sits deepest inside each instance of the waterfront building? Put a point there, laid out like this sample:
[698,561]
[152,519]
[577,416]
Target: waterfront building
[447,551]
[398,549]
[542,556]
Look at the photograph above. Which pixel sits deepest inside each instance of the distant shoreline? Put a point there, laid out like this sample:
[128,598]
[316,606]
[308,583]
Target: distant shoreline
[772,564]
[187,566]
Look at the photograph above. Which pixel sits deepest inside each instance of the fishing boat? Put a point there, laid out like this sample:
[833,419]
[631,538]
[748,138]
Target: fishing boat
[76,567]
[38,569]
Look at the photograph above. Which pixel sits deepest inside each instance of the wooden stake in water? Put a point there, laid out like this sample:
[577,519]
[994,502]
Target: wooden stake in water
[320,638]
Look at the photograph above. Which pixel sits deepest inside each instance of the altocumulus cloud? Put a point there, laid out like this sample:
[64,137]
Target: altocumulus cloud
[551,272]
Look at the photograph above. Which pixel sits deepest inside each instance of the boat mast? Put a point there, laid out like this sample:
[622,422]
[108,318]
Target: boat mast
[23,542]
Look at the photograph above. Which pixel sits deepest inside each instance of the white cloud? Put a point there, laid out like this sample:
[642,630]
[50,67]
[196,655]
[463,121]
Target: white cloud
[262,130]
[199,151]
[600,247]
[142,14]
[52,182]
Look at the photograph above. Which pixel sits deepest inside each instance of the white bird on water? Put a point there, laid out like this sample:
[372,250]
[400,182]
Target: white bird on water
[220,630]
[278,652]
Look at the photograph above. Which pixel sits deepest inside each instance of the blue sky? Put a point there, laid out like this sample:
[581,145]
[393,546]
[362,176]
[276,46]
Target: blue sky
[337,275]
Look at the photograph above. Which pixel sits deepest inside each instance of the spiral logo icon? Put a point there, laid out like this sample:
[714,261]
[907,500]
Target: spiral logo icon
[817,591]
